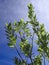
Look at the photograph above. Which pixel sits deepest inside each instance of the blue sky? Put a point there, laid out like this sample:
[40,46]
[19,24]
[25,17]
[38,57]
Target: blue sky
[11,10]
[42,11]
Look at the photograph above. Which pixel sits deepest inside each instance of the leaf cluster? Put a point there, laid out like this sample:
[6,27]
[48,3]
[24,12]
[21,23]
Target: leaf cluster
[25,33]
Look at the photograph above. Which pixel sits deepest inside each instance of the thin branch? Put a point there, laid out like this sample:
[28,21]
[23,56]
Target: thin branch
[31,48]
[32,42]
[19,54]
[44,59]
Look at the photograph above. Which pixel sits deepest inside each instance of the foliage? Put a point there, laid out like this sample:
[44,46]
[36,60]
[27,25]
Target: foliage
[24,32]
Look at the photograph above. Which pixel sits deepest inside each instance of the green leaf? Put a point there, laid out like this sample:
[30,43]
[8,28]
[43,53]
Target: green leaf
[37,41]
[21,20]
[37,60]
[6,24]
[25,47]
[48,36]
[10,45]
[43,33]
[40,49]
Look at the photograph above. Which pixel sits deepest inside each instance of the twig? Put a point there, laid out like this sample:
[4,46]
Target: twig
[19,54]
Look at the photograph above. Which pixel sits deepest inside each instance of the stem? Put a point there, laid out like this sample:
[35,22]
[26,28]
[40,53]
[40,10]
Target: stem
[19,54]
[44,59]
[31,48]
[31,59]
[32,42]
